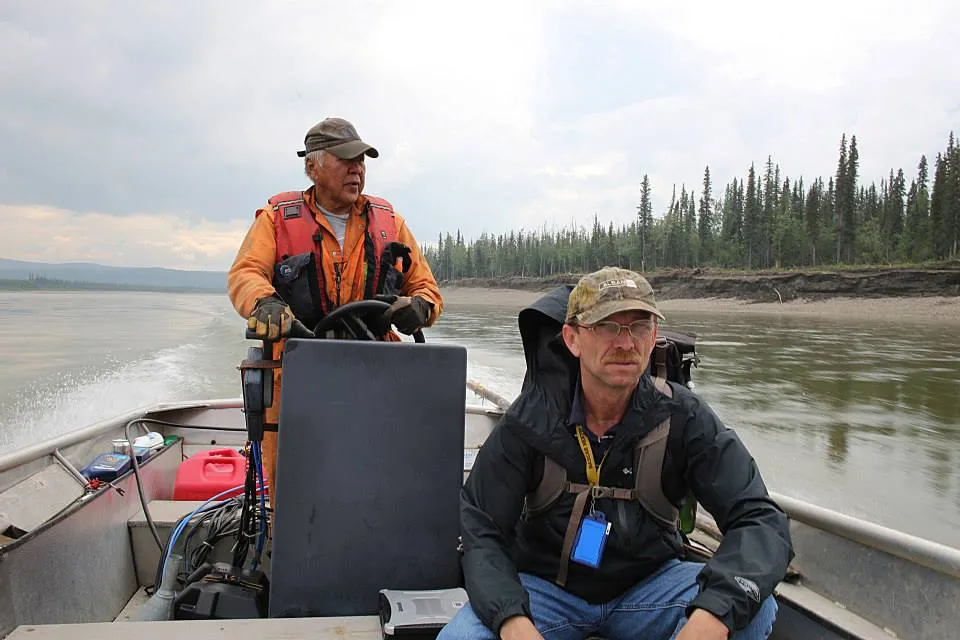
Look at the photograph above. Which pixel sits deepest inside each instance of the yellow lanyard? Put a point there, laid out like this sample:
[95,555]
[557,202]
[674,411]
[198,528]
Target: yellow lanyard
[593,470]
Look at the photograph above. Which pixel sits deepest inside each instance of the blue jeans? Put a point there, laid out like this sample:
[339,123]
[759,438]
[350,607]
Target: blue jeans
[652,609]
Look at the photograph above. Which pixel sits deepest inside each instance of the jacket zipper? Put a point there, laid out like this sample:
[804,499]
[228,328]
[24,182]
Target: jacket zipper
[336,271]
[321,279]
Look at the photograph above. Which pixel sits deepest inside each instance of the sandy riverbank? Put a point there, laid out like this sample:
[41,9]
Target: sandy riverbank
[936,310]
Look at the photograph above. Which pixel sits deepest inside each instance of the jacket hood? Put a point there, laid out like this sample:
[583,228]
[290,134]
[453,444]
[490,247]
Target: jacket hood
[541,327]
[540,411]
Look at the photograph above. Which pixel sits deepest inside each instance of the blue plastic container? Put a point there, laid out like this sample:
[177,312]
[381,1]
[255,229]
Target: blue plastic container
[107,467]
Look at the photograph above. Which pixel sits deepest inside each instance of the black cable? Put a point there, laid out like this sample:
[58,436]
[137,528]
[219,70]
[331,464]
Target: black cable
[242,545]
[197,524]
[199,555]
[199,427]
[136,472]
[198,520]
[223,523]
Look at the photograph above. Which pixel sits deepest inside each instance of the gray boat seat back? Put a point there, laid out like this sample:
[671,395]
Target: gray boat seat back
[369,471]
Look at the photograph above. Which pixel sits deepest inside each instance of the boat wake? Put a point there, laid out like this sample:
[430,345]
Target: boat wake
[76,398]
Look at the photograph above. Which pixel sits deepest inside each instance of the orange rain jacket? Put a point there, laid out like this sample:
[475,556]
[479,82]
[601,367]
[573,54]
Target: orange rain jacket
[250,278]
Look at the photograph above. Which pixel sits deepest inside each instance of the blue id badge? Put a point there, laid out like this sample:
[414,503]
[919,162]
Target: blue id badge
[591,539]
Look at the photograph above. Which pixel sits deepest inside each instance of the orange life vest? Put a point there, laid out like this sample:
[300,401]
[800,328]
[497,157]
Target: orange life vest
[297,233]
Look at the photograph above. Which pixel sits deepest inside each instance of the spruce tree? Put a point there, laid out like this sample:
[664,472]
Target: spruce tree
[767,223]
[706,220]
[840,186]
[644,219]
[850,221]
[952,212]
[917,223]
[751,219]
[812,218]
[939,207]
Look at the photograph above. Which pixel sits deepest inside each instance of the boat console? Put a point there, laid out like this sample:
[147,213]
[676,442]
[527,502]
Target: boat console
[369,470]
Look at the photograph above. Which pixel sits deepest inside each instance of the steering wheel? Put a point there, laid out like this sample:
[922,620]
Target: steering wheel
[362,319]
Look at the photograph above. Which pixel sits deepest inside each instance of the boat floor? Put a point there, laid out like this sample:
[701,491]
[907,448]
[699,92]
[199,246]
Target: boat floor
[139,599]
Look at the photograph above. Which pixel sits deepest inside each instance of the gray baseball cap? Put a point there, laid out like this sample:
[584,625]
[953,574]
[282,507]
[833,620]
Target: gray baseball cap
[603,293]
[337,136]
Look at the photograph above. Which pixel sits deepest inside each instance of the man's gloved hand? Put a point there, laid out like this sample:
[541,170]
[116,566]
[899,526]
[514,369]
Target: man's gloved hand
[271,318]
[408,314]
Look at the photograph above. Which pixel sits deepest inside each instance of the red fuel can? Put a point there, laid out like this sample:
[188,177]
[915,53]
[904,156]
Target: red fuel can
[205,474]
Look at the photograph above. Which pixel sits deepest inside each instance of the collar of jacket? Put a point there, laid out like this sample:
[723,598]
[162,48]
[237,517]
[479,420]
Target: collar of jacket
[540,413]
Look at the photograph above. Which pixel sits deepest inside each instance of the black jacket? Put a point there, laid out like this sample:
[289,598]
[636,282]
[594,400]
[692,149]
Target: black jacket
[499,539]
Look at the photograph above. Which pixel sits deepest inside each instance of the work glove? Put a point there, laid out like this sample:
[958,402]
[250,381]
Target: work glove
[271,318]
[409,315]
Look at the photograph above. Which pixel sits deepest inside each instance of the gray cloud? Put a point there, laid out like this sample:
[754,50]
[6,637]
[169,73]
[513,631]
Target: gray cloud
[488,117]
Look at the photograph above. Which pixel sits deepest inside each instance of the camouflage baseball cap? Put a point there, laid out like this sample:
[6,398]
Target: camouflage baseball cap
[605,292]
[337,136]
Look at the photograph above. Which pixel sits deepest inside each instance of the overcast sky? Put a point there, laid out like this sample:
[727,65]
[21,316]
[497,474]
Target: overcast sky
[147,133]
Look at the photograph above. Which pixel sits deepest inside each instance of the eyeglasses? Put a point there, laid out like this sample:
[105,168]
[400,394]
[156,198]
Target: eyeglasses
[609,330]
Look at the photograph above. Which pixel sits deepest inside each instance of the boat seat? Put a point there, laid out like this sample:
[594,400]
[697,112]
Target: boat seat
[354,627]
[165,514]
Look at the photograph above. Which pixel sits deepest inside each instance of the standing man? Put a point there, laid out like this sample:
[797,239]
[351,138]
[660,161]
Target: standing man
[309,252]
[569,518]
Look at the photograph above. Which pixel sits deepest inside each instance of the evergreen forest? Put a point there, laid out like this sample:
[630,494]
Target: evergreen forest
[761,220]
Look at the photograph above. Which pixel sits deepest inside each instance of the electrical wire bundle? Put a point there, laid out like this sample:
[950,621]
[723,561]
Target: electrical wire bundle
[223,522]
[253,515]
[246,517]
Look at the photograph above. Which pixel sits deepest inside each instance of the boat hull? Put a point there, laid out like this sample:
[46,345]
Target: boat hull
[853,578]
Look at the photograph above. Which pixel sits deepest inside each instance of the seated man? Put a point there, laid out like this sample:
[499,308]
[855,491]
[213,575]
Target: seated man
[601,553]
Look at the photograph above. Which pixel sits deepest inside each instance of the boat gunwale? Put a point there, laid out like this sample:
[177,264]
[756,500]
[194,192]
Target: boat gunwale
[31,453]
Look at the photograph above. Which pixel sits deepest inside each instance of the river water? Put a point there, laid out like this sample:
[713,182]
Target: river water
[858,416]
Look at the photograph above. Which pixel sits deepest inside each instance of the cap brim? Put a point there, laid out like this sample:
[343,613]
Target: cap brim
[348,150]
[607,309]
[353,149]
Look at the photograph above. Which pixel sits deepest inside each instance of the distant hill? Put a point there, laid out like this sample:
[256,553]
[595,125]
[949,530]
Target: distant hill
[152,277]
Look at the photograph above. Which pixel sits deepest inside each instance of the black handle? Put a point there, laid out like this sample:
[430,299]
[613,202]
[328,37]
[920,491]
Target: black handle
[297,330]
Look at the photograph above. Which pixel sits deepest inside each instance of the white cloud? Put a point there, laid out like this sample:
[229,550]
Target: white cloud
[48,234]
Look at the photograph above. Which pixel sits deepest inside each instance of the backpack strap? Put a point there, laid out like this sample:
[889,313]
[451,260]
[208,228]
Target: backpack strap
[571,534]
[552,484]
[649,453]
